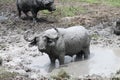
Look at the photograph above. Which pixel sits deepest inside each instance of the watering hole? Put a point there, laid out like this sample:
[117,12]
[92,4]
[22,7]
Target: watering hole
[102,61]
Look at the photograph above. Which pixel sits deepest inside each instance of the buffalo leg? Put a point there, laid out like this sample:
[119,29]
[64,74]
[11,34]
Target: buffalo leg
[19,12]
[34,13]
[61,59]
[79,55]
[86,53]
[25,12]
[52,59]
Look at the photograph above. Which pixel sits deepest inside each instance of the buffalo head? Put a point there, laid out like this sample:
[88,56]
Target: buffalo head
[44,40]
[49,5]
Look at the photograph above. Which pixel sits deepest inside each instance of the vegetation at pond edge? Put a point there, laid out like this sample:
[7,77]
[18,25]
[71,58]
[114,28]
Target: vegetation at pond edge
[5,75]
[6,1]
[66,10]
[63,75]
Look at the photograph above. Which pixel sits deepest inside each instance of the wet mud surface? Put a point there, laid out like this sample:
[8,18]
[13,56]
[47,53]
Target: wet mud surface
[28,61]
[103,61]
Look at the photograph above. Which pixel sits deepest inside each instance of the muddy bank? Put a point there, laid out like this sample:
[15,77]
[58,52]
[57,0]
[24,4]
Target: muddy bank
[18,57]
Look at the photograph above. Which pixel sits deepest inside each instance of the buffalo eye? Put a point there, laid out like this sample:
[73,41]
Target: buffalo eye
[49,40]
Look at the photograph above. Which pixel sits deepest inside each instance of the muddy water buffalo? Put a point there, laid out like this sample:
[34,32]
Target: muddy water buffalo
[58,42]
[34,6]
[117,28]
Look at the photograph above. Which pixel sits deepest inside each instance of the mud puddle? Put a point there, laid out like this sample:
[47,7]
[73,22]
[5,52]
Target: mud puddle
[103,61]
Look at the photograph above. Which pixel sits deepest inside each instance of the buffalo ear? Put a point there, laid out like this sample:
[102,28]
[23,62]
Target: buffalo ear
[50,41]
[48,4]
[34,42]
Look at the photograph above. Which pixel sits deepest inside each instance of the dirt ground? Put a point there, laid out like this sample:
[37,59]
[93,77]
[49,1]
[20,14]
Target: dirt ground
[99,20]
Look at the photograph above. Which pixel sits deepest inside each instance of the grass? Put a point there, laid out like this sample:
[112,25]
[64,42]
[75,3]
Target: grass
[72,9]
[115,3]
[116,76]
[2,46]
[5,75]
[95,36]
[66,11]
[90,1]
[69,8]
[109,2]
[62,75]
[6,1]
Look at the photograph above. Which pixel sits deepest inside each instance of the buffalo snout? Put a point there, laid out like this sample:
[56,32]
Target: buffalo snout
[51,7]
[42,50]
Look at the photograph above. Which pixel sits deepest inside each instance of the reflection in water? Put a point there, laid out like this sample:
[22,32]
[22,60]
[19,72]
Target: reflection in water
[102,61]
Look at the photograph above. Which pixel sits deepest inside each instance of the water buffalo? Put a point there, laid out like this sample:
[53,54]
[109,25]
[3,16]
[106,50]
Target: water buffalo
[117,28]
[34,6]
[58,42]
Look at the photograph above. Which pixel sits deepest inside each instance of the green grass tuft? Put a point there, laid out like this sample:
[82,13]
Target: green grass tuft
[66,11]
[6,75]
[7,1]
[62,75]
[113,2]
[72,9]
[90,1]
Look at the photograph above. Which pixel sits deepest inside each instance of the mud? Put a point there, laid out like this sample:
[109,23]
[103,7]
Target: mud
[103,61]
[28,61]
[18,57]
[2,18]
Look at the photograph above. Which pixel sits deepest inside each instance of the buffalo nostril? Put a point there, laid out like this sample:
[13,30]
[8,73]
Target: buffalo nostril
[42,50]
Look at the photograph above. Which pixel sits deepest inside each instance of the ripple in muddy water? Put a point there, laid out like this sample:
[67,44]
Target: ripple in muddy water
[103,61]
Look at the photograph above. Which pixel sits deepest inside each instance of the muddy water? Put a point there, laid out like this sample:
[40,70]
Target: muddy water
[103,61]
